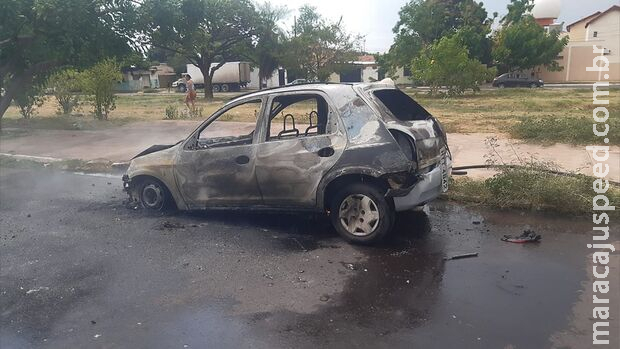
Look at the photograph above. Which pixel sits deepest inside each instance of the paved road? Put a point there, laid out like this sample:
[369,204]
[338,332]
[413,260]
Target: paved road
[79,270]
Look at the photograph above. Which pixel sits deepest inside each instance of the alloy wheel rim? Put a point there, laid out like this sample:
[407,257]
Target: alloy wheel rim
[359,215]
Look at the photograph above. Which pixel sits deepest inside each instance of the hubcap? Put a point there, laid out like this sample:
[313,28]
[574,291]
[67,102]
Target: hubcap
[152,196]
[359,215]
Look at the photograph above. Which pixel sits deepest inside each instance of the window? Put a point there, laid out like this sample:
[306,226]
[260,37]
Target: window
[299,115]
[595,34]
[401,106]
[219,134]
[406,71]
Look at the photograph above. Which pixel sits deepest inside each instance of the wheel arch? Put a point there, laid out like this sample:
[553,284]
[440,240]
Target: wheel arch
[136,179]
[333,185]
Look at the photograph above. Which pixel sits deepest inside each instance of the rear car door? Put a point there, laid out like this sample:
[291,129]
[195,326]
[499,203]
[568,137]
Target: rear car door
[300,141]
[217,165]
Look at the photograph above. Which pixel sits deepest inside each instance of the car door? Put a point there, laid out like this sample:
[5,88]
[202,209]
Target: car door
[217,164]
[301,140]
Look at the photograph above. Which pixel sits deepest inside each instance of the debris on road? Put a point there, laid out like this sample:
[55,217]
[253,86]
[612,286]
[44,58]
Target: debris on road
[172,225]
[527,236]
[37,289]
[461,256]
[324,298]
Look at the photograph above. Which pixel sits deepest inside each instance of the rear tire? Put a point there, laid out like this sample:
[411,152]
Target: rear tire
[361,214]
[225,88]
[501,86]
[533,85]
[216,88]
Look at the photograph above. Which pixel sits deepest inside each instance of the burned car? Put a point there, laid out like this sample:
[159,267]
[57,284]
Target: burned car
[358,152]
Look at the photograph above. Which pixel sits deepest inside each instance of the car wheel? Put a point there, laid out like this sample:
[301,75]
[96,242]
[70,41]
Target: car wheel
[533,85]
[501,86]
[361,214]
[153,195]
[216,88]
[182,88]
[225,88]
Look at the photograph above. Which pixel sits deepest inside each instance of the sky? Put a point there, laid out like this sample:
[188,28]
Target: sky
[375,19]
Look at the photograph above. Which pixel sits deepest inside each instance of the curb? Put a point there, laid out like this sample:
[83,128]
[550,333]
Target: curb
[46,160]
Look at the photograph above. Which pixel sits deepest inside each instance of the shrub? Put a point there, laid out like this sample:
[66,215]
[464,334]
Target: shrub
[172,112]
[28,101]
[65,84]
[447,63]
[99,82]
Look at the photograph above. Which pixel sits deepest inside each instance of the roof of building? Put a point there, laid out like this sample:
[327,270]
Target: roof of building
[583,19]
[613,8]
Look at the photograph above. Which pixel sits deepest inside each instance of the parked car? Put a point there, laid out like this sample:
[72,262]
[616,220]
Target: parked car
[517,80]
[298,81]
[358,152]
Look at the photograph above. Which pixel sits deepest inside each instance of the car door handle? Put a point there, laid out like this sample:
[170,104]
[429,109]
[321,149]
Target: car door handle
[242,159]
[326,152]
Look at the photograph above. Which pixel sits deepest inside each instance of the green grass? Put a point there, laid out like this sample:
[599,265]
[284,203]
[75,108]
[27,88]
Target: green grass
[531,188]
[575,130]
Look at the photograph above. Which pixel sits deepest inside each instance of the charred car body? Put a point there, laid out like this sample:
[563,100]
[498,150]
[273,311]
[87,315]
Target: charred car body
[363,153]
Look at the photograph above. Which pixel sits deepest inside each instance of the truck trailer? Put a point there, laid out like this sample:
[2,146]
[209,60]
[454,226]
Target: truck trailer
[232,76]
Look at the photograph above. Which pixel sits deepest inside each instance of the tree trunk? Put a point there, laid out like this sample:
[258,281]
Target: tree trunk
[13,88]
[204,69]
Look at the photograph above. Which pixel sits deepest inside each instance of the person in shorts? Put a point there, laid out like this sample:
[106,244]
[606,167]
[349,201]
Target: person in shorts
[190,97]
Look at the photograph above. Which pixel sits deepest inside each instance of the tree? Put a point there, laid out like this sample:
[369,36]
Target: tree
[38,36]
[423,22]
[447,64]
[65,84]
[523,44]
[29,100]
[267,54]
[517,9]
[99,82]
[202,31]
[316,47]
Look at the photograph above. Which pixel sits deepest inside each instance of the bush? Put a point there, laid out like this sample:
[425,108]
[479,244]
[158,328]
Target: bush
[99,82]
[65,84]
[446,63]
[172,112]
[28,101]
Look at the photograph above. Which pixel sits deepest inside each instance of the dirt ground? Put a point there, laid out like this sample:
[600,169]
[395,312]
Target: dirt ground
[122,143]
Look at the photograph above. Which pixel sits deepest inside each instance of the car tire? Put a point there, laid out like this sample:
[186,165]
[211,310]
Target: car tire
[153,195]
[225,88]
[501,86]
[533,85]
[361,214]
[216,88]
[182,88]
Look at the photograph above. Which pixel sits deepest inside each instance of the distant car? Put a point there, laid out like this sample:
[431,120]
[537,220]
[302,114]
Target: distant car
[360,153]
[517,80]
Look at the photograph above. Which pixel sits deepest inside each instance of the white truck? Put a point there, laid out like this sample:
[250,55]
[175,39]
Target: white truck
[231,76]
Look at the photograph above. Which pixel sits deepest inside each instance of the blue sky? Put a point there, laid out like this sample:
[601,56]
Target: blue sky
[375,18]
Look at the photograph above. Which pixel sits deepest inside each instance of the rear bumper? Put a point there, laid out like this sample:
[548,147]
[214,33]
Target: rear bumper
[428,188]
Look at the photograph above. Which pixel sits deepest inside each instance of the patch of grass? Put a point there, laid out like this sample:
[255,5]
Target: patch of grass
[531,187]
[575,130]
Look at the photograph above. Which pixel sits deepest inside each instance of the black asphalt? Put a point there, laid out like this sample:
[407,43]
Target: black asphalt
[80,270]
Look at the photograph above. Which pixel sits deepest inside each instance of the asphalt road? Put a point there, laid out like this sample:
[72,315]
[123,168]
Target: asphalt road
[79,270]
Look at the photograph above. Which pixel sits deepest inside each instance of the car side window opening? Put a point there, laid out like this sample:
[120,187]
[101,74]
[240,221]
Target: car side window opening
[297,115]
[402,106]
[220,134]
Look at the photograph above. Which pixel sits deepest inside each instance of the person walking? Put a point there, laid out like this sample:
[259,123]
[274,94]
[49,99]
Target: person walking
[190,97]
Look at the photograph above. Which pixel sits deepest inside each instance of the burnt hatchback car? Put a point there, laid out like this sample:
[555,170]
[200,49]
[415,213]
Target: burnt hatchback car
[358,152]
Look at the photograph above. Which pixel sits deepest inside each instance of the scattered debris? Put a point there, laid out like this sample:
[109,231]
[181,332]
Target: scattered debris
[324,298]
[349,266]
[476,222]
[28,215]
[461,256]
[37,289]
[172,225]
[97,335]
[527,236]
[93,322]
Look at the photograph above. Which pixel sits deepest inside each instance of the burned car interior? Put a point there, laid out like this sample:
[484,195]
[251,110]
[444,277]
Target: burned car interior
[309,110]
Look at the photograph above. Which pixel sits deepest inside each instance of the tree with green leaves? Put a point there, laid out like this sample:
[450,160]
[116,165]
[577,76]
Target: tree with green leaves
[447,63]
[39,36]
[268,51]
[422,22]
[202,31]
[65,85]
[317,47]
[522,44]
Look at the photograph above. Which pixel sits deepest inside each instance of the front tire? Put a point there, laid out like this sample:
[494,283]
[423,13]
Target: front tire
[361,214]
[153,195]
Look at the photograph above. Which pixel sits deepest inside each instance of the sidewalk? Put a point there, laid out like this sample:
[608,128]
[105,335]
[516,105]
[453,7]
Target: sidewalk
[122,143]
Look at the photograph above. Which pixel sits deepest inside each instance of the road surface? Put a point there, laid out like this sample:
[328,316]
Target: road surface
[79,270]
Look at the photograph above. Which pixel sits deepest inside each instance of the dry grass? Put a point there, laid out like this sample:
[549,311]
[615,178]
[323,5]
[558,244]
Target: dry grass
[522,113]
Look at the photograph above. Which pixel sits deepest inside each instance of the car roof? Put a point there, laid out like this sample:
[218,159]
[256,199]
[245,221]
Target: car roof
[327,87]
